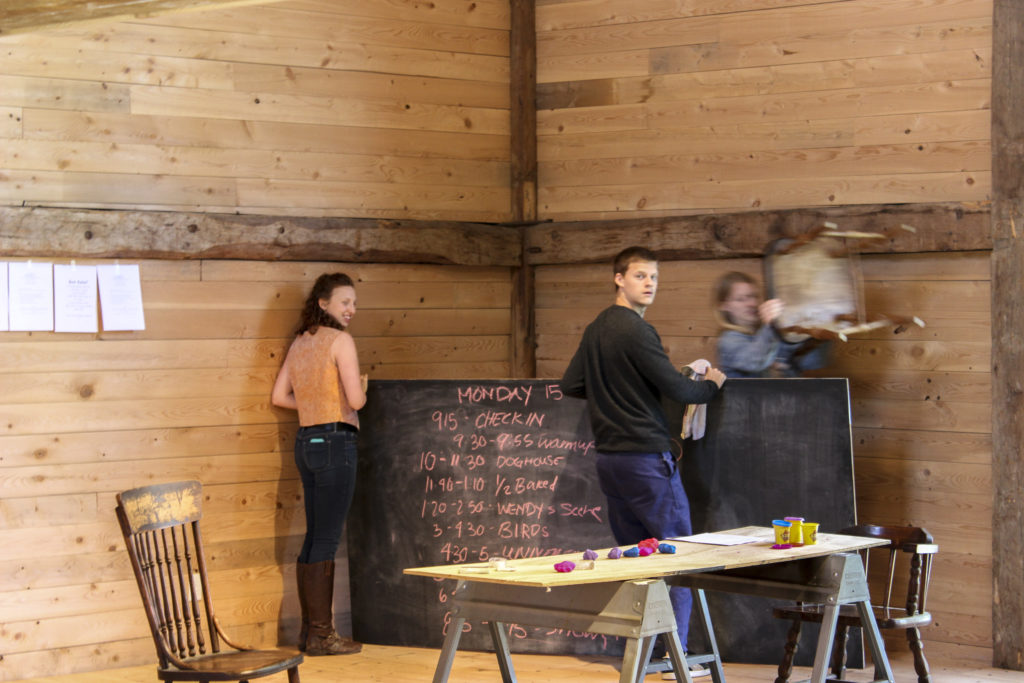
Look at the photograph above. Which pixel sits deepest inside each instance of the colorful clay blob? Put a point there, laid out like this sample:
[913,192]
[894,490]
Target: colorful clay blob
[565,567]
[589,554]
[666,548]
[632,552]
[644,551]
[614,553]
[651,543]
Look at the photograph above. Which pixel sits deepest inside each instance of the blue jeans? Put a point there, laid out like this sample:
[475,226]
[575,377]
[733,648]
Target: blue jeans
[646,499]
[326,457]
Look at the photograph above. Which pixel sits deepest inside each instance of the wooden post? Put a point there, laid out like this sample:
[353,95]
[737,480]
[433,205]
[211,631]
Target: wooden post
[523,344]
[523,98]
[1008,333]
[523,175]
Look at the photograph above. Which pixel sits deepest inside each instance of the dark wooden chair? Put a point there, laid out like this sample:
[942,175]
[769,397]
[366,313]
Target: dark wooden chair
[912,542]
[161,530]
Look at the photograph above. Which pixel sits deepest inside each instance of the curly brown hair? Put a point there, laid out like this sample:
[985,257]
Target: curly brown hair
[312,316]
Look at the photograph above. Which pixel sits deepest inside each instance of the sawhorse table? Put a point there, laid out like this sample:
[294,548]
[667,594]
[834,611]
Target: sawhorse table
[629,597]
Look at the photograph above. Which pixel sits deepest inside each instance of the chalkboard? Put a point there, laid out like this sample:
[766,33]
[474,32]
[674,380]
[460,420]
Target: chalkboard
[462,470]
[773,448]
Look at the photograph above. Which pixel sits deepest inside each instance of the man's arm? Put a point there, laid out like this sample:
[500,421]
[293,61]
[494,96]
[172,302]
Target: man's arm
[573,381]
[655,365]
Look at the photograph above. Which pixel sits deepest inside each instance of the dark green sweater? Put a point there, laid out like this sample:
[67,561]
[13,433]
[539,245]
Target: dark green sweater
[624,373]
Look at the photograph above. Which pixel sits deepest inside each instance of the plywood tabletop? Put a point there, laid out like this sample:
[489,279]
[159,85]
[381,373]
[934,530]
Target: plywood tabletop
[689,558]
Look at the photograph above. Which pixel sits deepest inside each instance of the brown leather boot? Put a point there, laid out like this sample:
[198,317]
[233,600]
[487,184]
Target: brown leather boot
[322,639]
[300,581]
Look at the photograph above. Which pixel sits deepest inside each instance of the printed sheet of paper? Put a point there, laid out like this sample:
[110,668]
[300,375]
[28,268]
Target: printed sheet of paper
[121,297]
[717,539]
[30,296]
[74,299]
[4,324]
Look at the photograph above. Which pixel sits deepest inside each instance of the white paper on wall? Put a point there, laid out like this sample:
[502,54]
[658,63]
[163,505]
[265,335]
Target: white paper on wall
[121,297]
[30,296]
[4,324]
[74,298]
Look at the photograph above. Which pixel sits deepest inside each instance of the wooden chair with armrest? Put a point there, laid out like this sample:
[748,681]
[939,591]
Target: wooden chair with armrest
[913,542]
[160,525]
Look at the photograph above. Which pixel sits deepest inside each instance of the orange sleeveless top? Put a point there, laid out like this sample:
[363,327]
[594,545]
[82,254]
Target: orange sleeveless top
[316,381]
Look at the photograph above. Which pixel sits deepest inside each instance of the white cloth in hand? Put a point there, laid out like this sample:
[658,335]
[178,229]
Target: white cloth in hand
[695,417]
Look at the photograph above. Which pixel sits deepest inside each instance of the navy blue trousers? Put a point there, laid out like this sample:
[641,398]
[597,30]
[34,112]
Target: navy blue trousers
[646,499]
[326,458]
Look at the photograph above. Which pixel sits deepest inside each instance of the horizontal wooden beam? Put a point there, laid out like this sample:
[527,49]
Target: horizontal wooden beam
[937,227]
[70,233]
[20,16]
[67,233]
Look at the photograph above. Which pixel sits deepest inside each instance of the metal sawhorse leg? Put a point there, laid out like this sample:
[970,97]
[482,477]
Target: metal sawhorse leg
[636,610]
[712,659]
[640,611]
[833,580]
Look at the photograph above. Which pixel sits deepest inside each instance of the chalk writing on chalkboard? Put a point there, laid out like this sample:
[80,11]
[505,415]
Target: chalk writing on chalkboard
[466,471]
[463,471]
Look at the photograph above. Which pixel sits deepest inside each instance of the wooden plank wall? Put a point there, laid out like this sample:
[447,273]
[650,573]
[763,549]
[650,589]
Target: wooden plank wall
[86,416]
[394,109]
[399,109]
[665,108]
[661,107]
[920,403]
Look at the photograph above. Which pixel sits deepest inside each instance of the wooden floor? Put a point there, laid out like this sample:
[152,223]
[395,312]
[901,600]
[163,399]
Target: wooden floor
[415,665]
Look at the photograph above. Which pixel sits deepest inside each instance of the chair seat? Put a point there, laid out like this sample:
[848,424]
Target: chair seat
[892,617]
[233,666]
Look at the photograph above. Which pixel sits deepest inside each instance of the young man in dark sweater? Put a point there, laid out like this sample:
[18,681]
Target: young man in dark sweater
[623,372]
